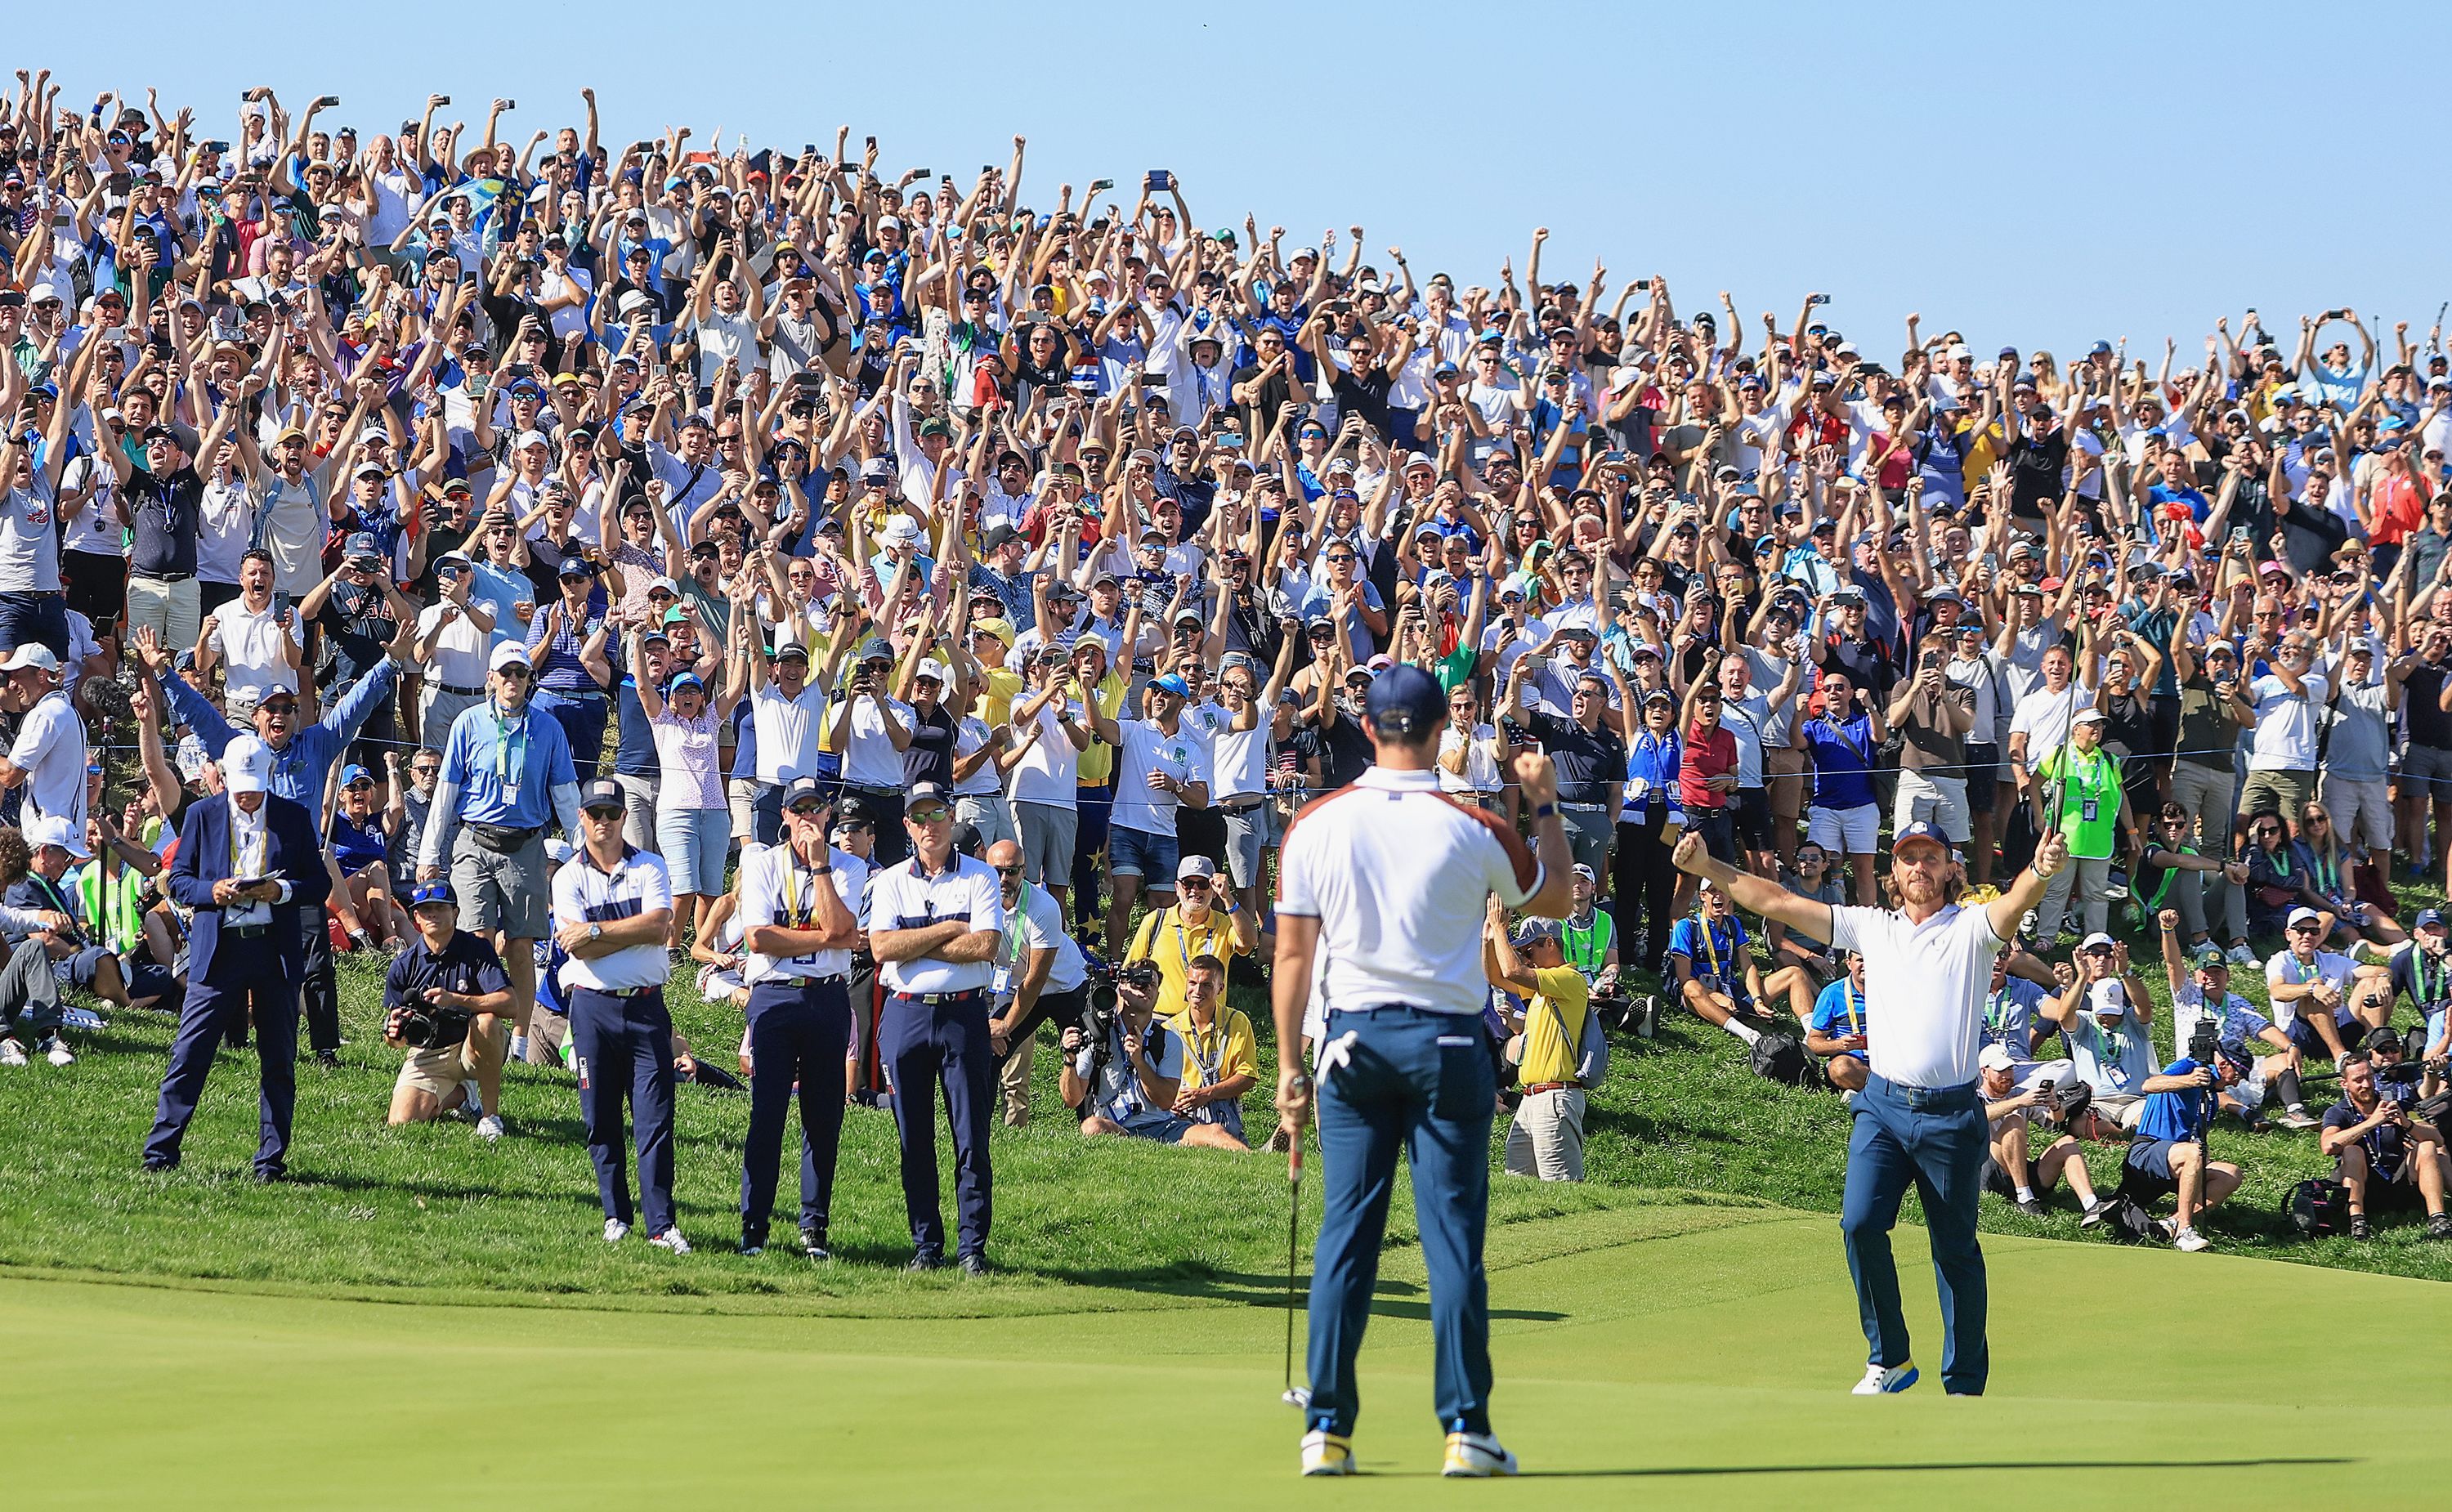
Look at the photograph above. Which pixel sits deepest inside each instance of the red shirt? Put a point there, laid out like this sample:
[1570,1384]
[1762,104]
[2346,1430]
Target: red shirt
[1709,752]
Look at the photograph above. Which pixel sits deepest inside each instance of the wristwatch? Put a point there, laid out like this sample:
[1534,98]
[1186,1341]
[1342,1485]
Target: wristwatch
[596,932]
[1545,811]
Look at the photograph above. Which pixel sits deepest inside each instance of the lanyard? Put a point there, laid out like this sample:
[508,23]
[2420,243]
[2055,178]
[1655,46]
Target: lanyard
[1710,947]
[1855,1006]
[1016,918]
[2418,969]
[2329,880]
[1996,1011]
[510,761]
[1207,1065]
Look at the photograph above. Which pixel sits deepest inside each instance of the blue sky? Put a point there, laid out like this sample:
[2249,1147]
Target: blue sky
[2031,175]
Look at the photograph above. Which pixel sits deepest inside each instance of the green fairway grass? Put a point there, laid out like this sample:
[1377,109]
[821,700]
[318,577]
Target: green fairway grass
[1653,1355]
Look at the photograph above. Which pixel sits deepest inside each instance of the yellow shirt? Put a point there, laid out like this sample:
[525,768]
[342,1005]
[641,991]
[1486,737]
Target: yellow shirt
[1228,1048]
[1554,1026]
[1165,939]
[1098,764]
[996,704]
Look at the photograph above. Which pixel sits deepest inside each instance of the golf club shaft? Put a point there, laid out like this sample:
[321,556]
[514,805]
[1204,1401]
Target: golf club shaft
[1294,1221]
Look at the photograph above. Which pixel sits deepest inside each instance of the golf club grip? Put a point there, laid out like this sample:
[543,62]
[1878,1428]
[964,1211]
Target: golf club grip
[1293,1161]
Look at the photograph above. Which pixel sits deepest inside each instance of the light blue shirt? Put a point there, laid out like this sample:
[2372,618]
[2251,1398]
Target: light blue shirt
[505,769]
[501,590]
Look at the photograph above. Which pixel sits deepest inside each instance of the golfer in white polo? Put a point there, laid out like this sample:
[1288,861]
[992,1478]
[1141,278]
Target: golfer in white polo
[1920,1117]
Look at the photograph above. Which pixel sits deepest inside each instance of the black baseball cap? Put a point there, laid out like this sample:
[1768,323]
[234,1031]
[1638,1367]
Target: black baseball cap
[1406,700]
[601,792]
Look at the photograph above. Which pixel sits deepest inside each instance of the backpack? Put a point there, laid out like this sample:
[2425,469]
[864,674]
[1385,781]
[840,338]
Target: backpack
[1782,1058]
[1592,1051]
[2316,1207]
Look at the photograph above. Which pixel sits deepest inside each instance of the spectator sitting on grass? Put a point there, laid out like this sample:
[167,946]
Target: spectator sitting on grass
[51,846]
[1711,967]
[2310,986]
[29,992]
[1802,966]
[1836,1028]
[2423,973]
[2009,1005]
[1547,1138]
[2013,1167]
[1221,1056]
[2382,1154]
[2203,992]
[2109,1021]
[2168,1154]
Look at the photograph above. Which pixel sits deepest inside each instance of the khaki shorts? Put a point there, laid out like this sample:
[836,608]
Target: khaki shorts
[1786,779]
[445,1067]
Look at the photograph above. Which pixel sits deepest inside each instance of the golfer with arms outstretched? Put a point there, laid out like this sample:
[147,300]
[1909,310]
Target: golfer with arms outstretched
[1920,1116]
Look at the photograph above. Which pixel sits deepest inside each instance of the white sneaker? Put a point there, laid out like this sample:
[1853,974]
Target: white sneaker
[671,1239]
[616,1230]
[12,1054]
[1326,1453]
[2191,1241]
[1476,1456]
[490,1128]
[1882,1381]
[58,1054]
[2242,955]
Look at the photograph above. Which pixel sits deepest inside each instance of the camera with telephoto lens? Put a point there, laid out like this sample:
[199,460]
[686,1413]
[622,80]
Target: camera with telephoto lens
[432,1026]
[2204,1044]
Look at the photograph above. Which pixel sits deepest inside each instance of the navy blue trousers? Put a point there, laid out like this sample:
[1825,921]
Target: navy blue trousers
[1935,1139]
[205,1020]
[924,1045]
[797,1033]
[624,1046]
[1396,1077]
[582,722]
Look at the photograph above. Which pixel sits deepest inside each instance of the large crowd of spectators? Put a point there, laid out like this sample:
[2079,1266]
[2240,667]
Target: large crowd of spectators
[761,465]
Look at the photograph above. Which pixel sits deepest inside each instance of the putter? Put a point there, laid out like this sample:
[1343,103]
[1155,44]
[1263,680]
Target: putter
[1296,1397]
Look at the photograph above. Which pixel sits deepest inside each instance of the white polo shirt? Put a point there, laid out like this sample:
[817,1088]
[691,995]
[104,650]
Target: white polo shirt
[583,895]
[777,889]
[904,898]
[1931,980]
[51,749]
[1399,878]
[869,760]
[787,729]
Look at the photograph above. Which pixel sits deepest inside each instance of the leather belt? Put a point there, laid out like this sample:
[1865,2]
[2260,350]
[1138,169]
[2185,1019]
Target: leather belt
[245,931]
[938,1000]
[1243,802]
[464,693]
[839,978]
[624,993]
[164,577]
[1546,1087]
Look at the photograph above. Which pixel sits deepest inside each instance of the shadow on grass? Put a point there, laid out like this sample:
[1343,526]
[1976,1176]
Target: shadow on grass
[1205,1284]
[1666,1470]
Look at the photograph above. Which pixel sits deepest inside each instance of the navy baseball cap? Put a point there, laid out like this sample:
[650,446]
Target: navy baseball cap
[1918,831]
[437,891]
[602,793]
[803,794]
[1406,700]
[927,793]
[2425,918]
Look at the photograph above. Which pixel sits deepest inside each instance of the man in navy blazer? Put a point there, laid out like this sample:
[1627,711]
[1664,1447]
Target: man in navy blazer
[249,866]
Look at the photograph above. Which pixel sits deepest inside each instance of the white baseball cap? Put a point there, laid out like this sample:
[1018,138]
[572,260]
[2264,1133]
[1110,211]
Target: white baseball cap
[508,654]
[2303,916]
[247,765]
[55,829]
[32,653]
[1994,1057]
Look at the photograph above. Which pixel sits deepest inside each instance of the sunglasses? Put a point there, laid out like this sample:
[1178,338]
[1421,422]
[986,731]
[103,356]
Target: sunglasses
[933,815]
[517,674]
[1013,870]
[1193,884]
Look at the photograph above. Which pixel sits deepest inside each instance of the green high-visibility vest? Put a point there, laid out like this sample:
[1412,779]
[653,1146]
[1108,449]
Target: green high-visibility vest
[1588,949]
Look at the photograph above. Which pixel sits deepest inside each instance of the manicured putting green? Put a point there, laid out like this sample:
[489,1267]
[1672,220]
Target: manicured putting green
[1684,1355]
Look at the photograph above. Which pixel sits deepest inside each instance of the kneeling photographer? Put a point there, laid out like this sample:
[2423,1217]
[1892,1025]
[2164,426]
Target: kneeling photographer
[2169,1155]
[443,1002]
[1123,1069]
[2383,1155]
